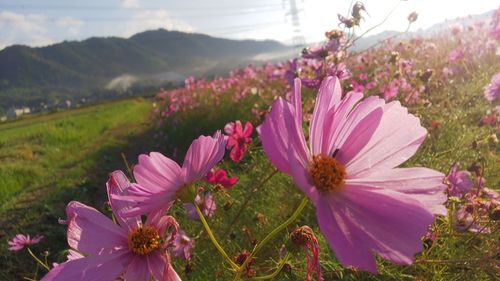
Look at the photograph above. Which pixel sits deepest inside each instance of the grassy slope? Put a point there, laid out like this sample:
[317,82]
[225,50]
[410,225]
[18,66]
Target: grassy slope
[47,161]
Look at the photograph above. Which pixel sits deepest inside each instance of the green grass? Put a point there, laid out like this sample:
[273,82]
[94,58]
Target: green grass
[49,160]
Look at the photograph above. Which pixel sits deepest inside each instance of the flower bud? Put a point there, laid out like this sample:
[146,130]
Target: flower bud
[412,17]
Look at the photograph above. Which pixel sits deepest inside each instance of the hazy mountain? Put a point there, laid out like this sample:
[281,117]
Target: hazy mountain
[83,68]
[369,41]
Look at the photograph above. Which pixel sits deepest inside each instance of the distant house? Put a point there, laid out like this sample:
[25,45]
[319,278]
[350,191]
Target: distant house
[14,113]
[64,105]
[3,118]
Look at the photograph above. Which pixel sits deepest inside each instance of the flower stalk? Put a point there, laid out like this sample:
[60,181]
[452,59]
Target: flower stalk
[214,240]
[271,235]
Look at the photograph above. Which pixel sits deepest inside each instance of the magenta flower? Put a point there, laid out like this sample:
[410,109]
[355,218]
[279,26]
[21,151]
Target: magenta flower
[219,176]
[160,179]
[132,249]
[205,202]
[364,204]
[20,241]
[459,181]
[238,139]
[183,246]
[492,91]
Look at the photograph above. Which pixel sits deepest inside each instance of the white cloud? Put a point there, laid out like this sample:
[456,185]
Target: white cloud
[25,29]
[70,24]
[130,4]
[154,19]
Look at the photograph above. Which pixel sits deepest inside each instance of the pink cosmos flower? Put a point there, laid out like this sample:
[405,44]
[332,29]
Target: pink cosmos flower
[455,55]
[160,179]
[133,249]
[492,91]
[183,246]
[347,168]
[238,139]
[205,202]
[459,181]
[219,176]
[20,241]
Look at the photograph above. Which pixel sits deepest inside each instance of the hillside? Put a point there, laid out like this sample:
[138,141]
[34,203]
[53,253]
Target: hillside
[77,69]
[369,41]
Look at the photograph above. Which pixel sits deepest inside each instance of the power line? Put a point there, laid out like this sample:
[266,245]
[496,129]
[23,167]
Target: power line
[197,16]
[88,7]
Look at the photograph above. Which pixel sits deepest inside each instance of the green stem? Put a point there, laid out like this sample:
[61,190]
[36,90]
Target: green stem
[214,241]
[248,198]
[271,235]
[276,272]
[37,259]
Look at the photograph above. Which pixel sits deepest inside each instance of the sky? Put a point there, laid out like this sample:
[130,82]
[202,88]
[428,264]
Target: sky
[44,22]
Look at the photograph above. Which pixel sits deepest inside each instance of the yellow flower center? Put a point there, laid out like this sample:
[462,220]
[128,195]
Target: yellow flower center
[143,240]
[326,173]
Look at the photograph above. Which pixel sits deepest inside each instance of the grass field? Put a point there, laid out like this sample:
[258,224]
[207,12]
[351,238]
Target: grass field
[47,160]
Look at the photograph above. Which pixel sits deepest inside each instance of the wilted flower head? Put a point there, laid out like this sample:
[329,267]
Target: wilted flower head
[492,90]
[348,23]
[356,10]
[426,75]
[20,241]
[463,220]
[240,258]
[365,205]
[304,237]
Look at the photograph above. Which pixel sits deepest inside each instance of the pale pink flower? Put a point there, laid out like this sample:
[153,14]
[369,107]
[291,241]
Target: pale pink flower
[347,168]
[132,249]
[20,241]
[205,202]
[492,90]
[160,179]
[183,246]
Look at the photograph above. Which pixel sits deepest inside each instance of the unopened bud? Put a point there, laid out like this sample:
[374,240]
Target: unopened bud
[412,17]
[394,57]
[302,235]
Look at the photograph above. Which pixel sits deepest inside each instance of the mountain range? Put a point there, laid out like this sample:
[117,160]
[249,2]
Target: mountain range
[103,68]
[100,66]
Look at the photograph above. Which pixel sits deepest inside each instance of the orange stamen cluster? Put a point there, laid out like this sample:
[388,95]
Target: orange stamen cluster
[326,173]
[143,240]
